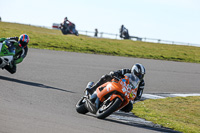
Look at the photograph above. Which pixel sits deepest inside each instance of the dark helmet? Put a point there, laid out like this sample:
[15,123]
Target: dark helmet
[23,40]
[65,19]
[138,70]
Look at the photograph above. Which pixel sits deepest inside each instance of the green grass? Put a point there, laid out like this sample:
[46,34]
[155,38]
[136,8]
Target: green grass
[179,113]
[53,39]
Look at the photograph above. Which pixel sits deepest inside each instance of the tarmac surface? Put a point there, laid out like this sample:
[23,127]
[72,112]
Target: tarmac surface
[41,96]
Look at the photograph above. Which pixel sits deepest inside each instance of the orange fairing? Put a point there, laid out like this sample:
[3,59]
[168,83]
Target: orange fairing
[120,89]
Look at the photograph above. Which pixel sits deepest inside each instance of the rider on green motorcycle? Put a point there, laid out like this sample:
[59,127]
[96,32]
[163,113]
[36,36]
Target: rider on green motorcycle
[21,50]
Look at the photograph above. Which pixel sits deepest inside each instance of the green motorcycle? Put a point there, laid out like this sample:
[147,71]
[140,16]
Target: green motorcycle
[7,51]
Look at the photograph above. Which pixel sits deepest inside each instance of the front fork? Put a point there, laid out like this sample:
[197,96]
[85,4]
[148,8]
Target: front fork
[92,103]
[95,100]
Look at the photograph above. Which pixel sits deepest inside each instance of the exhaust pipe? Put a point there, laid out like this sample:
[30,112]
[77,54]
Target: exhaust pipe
[1,60]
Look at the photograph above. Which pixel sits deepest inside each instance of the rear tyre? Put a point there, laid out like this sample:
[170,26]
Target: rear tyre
[80,106]
[76,33]
[108,108]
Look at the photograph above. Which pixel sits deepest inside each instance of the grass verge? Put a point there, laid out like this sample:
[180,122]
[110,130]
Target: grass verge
[178,113]
[53,39]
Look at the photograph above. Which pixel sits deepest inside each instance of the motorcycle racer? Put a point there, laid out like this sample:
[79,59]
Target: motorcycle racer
[68,25]
[124,32]
[137,73]
[21,49]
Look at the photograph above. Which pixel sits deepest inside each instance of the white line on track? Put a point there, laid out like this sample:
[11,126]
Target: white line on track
[151,96]
[185,95]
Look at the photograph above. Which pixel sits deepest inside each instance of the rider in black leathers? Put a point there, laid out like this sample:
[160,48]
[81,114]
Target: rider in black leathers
[124,32]
[68,26]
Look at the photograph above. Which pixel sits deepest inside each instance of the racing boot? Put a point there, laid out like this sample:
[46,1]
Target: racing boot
[92,89]
[88,88]
[104,79]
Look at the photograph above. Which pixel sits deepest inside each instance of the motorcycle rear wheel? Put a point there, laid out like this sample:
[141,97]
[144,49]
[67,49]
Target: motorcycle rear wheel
[106,110]
[80,107]
[76,33]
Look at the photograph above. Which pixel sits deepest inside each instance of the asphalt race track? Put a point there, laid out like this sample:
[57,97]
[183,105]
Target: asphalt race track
[41,96]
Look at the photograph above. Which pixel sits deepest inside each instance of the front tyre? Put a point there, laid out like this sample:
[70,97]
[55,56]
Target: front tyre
[108,108]
[80,106]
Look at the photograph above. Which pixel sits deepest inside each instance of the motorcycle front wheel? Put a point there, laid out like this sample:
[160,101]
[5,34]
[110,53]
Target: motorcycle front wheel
[80,106]
[108,108]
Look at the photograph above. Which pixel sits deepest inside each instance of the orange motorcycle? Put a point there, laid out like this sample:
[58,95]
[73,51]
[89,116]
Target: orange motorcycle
[108,98]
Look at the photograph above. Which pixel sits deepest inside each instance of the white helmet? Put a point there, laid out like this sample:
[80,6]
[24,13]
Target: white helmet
[138,70]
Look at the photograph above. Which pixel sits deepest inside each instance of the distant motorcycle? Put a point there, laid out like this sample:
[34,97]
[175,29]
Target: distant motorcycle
[7,51]
[108,98]
[68,29]
[124,34]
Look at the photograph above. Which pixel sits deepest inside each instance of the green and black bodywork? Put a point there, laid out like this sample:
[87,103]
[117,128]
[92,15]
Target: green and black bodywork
[11,47]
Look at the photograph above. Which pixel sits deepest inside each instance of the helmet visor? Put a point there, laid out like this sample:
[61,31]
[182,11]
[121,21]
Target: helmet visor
[140,76]
[23,44]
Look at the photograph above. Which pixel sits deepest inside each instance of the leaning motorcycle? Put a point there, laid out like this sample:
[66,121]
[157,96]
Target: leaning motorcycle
[7,51]
[108,98]
[124,34]
[65,30]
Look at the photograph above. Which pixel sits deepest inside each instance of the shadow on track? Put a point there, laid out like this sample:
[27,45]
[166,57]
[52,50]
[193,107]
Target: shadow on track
[33,84]
[159,129]
[135,124]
